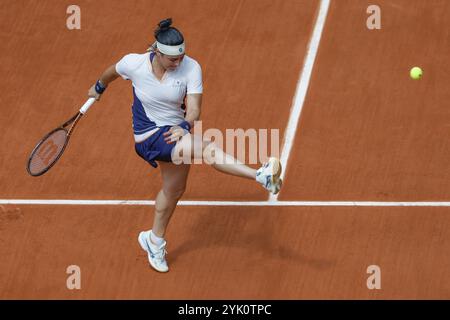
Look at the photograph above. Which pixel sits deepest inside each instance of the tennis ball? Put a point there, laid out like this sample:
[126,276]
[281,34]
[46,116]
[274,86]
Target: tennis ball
[416,73]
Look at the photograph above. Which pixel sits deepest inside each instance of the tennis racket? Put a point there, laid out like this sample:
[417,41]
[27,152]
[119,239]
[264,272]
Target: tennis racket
[51,147]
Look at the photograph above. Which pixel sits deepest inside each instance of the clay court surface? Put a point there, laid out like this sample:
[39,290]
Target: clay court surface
[367,132]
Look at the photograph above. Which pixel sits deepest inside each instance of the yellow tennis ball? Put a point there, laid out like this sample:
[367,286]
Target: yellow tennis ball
[416,73]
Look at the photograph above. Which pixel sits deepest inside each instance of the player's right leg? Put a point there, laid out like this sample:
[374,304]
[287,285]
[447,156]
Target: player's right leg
[174,183]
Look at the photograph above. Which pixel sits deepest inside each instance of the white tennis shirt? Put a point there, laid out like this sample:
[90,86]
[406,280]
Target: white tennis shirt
[157,102]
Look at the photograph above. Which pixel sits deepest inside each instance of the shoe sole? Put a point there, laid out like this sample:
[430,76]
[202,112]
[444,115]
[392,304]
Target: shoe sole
[276,169]
[276,173]
[280,184]
[143,243]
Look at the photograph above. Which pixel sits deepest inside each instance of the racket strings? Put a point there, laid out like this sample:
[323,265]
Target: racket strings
[45,155]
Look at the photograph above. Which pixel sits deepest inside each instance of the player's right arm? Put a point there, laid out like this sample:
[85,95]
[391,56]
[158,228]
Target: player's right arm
[125,68]
[105,79]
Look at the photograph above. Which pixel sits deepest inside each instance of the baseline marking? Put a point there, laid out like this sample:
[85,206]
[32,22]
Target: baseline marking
[302,87]
[228,203]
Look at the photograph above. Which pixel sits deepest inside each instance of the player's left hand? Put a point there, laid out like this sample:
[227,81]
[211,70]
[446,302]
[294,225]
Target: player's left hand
[174,134]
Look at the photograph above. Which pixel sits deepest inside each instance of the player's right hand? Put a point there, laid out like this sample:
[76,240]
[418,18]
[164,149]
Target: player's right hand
[94,94]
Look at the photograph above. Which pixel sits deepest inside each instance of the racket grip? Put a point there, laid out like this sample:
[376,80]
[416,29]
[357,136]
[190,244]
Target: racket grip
[87,105]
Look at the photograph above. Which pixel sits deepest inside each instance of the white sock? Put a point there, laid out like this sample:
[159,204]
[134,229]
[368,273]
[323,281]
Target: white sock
[155,239]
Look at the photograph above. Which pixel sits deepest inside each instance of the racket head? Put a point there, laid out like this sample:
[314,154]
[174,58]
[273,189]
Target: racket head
[47,152]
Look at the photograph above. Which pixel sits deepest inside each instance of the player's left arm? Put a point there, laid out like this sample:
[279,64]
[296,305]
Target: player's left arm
[194,90]
[193,107]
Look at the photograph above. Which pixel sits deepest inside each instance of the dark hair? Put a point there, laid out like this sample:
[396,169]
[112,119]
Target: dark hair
[168,35]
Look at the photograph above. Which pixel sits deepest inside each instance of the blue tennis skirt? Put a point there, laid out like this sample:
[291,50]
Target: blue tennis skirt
[154,148]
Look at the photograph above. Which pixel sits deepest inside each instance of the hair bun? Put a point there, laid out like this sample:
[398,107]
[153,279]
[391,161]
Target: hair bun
[168,35]
[165,24]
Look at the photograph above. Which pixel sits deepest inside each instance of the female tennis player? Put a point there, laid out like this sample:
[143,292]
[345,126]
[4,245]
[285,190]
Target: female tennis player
[167,91]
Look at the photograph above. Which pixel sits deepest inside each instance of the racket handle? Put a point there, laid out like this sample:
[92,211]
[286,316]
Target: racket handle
[87,105]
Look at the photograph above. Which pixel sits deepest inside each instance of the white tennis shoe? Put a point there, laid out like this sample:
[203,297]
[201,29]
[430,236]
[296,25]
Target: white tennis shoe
[156,254]
[269,175]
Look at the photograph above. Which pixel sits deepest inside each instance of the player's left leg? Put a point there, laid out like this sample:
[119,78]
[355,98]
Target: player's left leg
[192,146]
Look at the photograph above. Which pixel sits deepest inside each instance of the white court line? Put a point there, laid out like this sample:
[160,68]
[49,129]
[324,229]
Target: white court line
[229,203]
[302,87]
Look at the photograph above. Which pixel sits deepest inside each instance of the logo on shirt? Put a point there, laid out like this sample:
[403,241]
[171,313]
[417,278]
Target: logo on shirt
[177,83]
